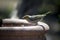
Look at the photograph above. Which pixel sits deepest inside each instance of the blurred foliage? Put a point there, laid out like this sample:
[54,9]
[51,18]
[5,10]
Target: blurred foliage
[57,2]
[4,13]
[46,8]
[59,18]
[50,5]
[54,8]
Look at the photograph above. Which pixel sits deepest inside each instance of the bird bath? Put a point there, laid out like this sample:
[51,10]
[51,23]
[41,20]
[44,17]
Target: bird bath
[23,24]
[21,29]
[24,31]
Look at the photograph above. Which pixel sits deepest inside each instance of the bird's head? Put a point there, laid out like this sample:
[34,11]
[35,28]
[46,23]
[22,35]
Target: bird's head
[26,17]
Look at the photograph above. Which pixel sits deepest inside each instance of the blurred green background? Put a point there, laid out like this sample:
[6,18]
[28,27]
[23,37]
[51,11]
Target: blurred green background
[7,6]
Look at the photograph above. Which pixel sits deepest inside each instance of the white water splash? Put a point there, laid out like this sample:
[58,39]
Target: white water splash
[14,11]
[14,14]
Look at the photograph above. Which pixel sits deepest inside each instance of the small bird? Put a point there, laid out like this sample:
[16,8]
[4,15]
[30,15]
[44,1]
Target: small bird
[35,18]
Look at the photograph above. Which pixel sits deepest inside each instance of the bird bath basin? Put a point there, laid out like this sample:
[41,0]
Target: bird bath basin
[22,30]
